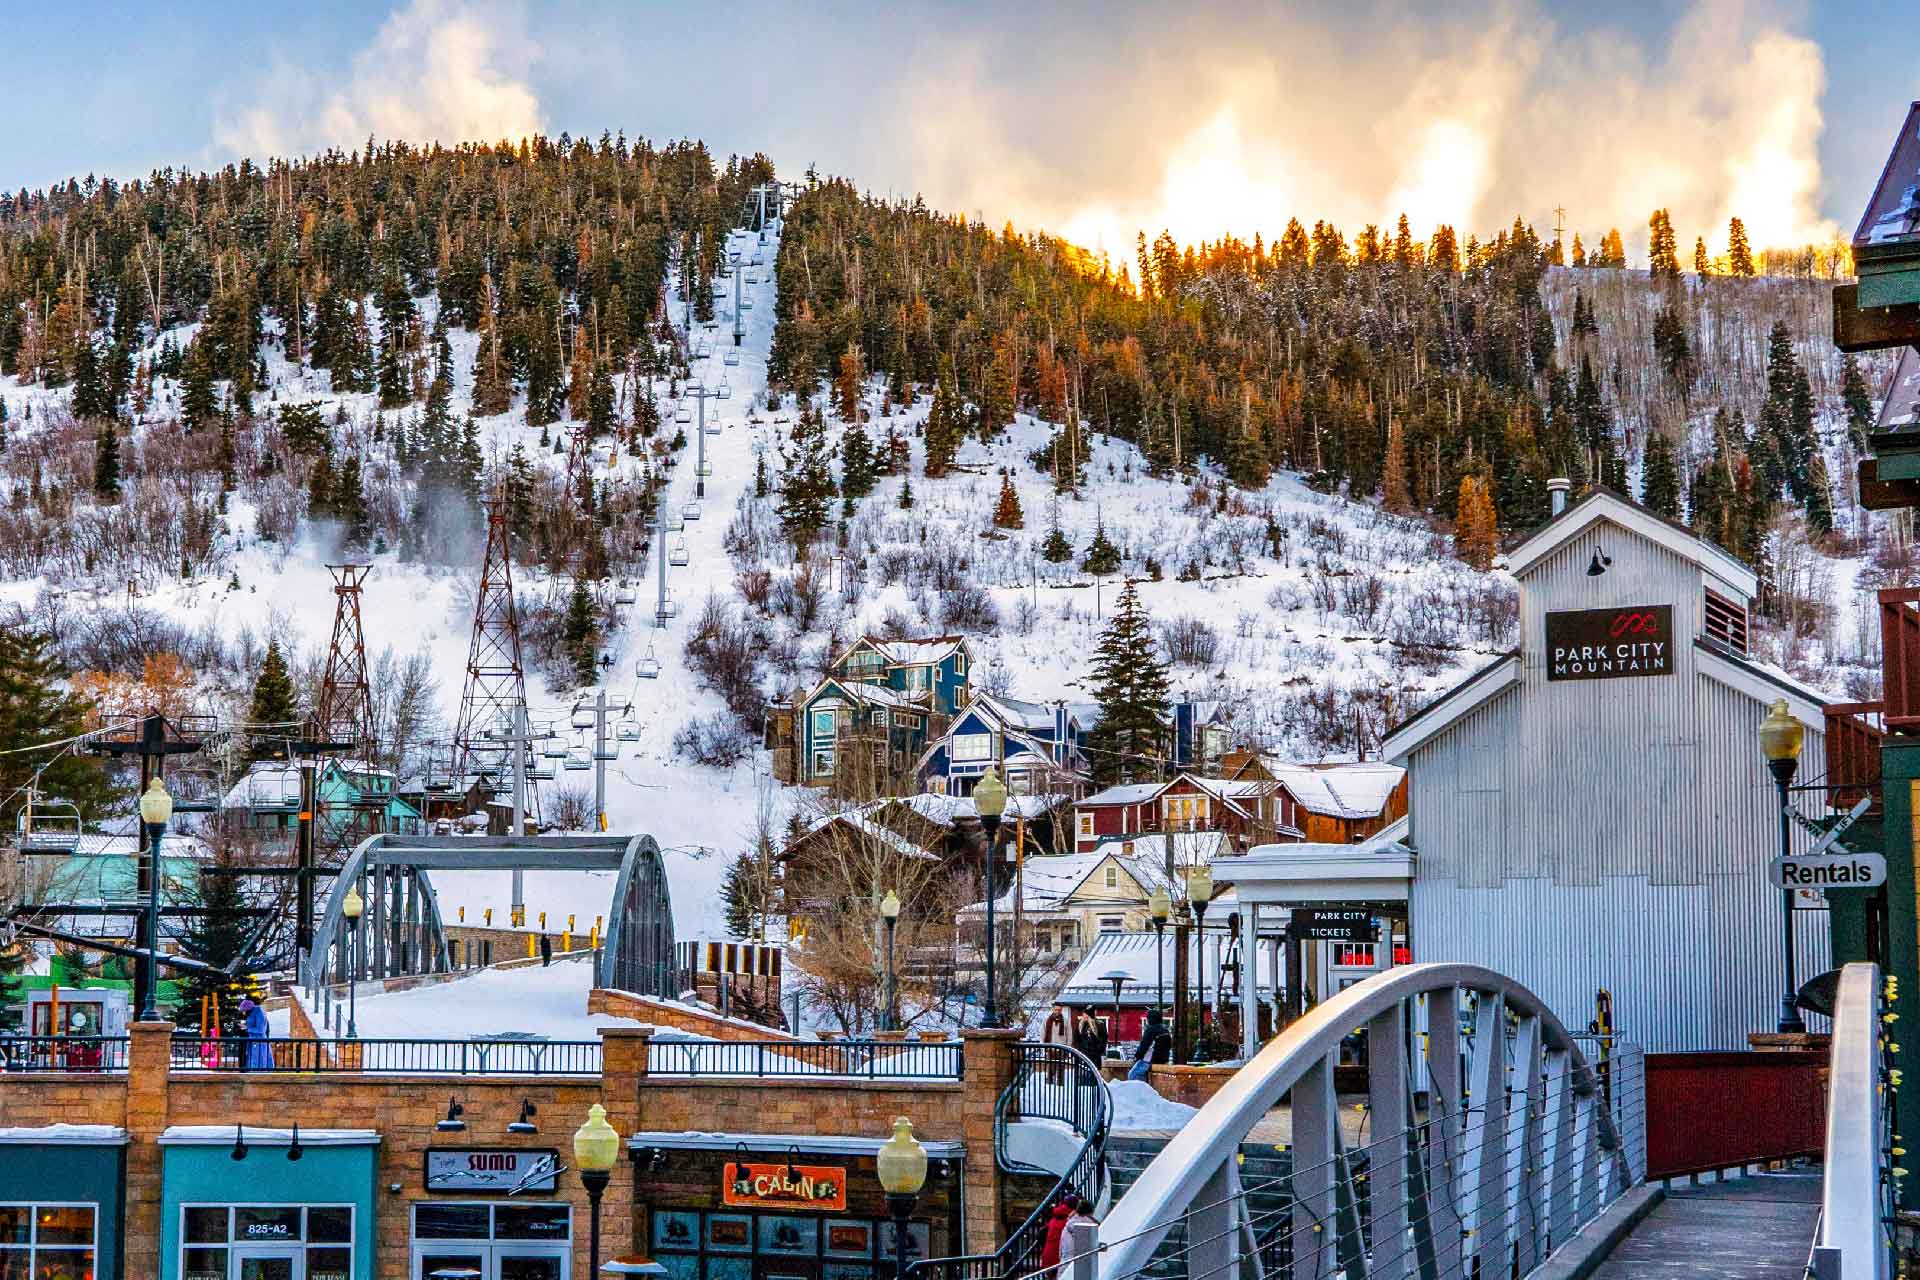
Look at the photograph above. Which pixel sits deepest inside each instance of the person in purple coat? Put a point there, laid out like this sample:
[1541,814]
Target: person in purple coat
[259,1054]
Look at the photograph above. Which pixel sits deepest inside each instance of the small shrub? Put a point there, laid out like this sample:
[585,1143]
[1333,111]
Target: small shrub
[715,741]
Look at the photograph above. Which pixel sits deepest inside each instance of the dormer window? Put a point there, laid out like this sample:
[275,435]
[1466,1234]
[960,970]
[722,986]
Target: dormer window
[1725,621]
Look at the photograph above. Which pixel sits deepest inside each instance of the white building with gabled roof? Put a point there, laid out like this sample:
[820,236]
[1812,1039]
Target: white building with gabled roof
[1592,810]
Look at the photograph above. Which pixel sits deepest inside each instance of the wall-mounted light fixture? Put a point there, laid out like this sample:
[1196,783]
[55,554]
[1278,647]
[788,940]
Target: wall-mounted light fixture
[453,1123]
[295,1151]
[525,1123]
[239,1143]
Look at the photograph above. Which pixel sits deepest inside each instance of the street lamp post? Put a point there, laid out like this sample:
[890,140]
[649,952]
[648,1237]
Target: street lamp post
[1159,907]
[595,1149]
[901,1164]
[890,913]
[156,807]
[351,906]
[1780,739]
[1199,894]
[1119,980]
[990,801]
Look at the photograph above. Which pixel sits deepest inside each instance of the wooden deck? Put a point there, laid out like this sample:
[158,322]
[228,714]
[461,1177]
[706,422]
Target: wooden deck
[1753,1228]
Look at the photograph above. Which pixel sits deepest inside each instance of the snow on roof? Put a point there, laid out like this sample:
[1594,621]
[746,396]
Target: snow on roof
[544,1001]
[221,1135]
[1126,793]
[1189,848]
[77,1135]
[1133,955]
[909,653]
[878,694]
[1050,880]
[267,783]
[1348,790]
[860,821]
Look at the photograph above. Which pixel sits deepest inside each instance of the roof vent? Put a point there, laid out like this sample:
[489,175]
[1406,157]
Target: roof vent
[1557,489]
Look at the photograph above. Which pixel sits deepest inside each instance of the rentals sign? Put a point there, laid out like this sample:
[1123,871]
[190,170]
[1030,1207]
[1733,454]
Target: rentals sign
[1601,644]
[1846,871]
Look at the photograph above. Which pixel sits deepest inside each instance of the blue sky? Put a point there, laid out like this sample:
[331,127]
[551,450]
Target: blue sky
[1091,119]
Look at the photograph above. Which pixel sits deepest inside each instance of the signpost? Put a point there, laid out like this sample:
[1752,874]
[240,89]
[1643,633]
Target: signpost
[1844,871]
[1606,644]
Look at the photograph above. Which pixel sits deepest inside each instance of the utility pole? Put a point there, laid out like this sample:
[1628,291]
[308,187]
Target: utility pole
[739,325]
[519,741]
[157,740]
[308,750]
[701,470]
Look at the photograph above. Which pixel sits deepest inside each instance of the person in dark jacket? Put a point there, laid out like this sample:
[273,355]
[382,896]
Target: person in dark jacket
[1156,1046]
[1056,1223]
[1089,1038]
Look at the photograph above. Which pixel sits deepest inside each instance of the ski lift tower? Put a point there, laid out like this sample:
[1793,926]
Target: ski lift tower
[739,322]
[700,468]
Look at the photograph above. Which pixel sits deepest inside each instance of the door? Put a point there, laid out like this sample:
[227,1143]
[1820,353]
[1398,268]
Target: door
[530,1262]
[450,1262]
[270,1262]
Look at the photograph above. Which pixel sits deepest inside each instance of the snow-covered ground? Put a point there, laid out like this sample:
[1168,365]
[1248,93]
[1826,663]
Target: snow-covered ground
[548,1001]
[1136,1106]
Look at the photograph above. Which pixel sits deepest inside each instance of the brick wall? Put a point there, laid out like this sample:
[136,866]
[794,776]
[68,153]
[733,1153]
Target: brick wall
[663,1013]
[405,1109]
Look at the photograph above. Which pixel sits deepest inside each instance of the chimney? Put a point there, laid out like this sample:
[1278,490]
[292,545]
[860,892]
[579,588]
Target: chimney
[1557,487]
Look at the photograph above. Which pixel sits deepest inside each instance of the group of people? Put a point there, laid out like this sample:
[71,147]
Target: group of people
[1156,1042]
[1070,1206]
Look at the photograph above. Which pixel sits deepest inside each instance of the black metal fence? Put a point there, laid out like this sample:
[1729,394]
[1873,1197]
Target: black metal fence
[63,1053]
[868,1059]
[389,1057]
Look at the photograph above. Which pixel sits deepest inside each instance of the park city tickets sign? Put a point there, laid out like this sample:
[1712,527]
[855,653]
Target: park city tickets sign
[1604,644]
[784,1186]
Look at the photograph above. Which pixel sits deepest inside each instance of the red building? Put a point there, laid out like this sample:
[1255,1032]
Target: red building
[1186,803]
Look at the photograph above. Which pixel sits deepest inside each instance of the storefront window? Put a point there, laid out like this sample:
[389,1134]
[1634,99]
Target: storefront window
[47,1241]
[264,1242]
[455,1241]
[695,1245]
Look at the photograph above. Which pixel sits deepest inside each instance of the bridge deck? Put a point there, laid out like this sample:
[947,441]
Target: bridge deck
[1758,1227]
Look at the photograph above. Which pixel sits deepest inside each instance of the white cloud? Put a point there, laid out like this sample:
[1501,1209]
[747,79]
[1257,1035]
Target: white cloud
[437,70]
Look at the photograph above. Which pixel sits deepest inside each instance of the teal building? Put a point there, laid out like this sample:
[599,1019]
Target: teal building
[62,1201]
[252,1204]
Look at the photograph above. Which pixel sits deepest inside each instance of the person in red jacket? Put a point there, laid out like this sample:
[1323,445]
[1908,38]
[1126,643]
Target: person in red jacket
[1050,1253]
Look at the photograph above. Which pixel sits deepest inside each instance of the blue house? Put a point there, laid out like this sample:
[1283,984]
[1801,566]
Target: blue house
[355,800]
[874,711]
[1035,745]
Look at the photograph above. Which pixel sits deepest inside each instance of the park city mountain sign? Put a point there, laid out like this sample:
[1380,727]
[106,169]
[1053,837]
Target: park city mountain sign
[1604,644]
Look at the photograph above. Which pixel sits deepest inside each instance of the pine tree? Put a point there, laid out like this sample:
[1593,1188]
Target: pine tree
[36,706]
[857,466]
[1000,396]
[1593,424]
[944,427]
[397,318]
[1129,681]
[743,893]
[1702,265]
[350,504]
[106,464]
[905,502]
[219,935]
[90,398]
[1663,259]
[492,372]
[1660,477]
[847,384]
[1859,405]
[1006,513]
[1395,494]
[581,634]
[1671,347]
[1739,255]
[1579,251]
[14,960]
[199,403]
[1102,558]
[271,711]
[1056,549]
[1819,499]
[1475,530]
[760,475]
[806,483]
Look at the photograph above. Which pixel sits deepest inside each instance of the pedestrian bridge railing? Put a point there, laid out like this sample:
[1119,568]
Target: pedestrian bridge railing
[1855,1240]
[1514,1144]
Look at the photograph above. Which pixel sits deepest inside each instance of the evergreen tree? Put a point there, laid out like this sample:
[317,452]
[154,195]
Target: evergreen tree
[1000,396]
[848,383]
[600,400]
[1129,681]
[857,466]
[1819,499]
[397,318]
[271,711]
[743,893]
[1475,528]
[944,427]
[1670,346]
[199,403]
[106,464]
[36,707]
[1102,558]
[1660,477]
[90,398]
[1663,259]
[1702,265]
[1593,425]
[760,475]
[1739,255]
[906,493]
[1859,405]
[1056,549]
[350,504]
[1395,495]
[1006,513]
[806,483]
[14,960]
[581,634]
[218,935]
[492,368]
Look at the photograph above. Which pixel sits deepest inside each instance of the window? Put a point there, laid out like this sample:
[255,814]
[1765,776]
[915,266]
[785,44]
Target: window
[1185,811]
[1086,826]
[1113,924]
[736,1245]
[1113,876]
[880,717]
[324,1233]
[973,746]
[823,723]
[823,764]
[1069,934]
[46,1240]
[1726,622]
[510,1239]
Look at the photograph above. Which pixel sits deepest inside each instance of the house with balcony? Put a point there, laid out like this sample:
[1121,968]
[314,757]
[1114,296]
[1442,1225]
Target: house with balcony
[1187,803]
[1034,745]
[354,800]
[1338,802]
[873,712]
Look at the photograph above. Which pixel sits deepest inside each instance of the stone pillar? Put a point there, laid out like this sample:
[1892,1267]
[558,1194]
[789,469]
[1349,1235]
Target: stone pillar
[149,1049]
[986,1071]
[623,1077]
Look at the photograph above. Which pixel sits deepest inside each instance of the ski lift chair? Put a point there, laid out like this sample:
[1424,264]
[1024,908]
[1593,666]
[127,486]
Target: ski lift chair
[714,427]
[683,414]
[704,470]
[626,730]
[624,594]
[691,511]
[541,773]
[55,828]
[576,763]
[678,555]
[553,749]
[733,358]
[726,390]
[582,715]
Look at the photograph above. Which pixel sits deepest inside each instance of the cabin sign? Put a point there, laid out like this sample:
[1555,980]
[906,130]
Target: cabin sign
[1604,644]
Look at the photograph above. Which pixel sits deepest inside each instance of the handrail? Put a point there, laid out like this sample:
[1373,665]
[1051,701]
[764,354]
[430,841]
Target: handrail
[1856,1189]
[1065,1074]
[1547,1097]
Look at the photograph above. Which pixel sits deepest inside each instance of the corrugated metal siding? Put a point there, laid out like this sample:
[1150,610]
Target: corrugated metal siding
[1615,833]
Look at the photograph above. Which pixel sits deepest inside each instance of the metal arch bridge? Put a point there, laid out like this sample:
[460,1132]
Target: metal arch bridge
[1488,1146]
[401,931]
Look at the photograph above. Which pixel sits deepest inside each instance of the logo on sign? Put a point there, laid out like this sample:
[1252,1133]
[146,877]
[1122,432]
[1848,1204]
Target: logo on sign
[1602,644]
[501,1169]
[784,1186]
